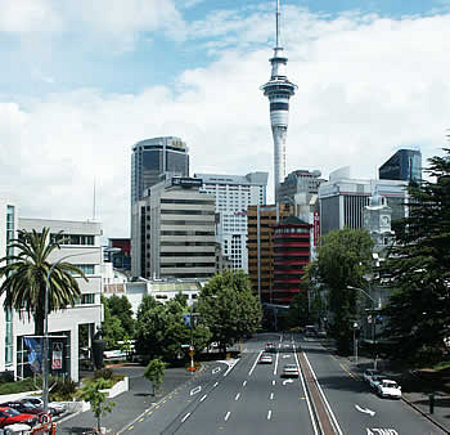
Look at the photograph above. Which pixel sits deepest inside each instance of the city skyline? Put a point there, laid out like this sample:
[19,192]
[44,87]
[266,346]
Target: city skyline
[80,86]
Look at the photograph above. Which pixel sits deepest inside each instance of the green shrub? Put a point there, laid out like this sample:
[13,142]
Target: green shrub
[27,384]
[106,374]
[62,389]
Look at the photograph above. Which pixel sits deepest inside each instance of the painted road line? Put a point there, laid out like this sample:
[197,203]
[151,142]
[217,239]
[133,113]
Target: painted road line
[230,367]
[276,363]
[308,401]
[195,391]
[269,414]
[185,417]
[131,428]
[227,416]
[215,385]
[274,382]
[330,411]
[203,398]
[271,396]
[141,420]
[244,383]
[216,370]
[254,364]
[237,396]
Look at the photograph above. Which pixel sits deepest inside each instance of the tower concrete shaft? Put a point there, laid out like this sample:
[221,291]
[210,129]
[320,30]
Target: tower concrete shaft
[279,90]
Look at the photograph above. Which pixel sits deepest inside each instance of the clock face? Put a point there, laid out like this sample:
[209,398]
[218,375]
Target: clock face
[385,220]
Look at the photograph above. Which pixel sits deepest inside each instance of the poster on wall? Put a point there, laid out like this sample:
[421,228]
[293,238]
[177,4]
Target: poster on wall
[34,350]
[57,355]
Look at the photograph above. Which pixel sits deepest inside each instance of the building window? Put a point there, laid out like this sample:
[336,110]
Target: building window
[10,217]
[86,299]
[87,269]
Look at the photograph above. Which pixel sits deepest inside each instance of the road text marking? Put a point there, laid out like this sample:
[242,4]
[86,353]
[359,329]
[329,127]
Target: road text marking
[195,390]
[216,370]
[381,431]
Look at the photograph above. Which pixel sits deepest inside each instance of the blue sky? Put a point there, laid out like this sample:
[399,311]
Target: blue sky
[82,81]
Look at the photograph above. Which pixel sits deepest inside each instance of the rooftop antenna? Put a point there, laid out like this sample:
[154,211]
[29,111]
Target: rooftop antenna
[93,203]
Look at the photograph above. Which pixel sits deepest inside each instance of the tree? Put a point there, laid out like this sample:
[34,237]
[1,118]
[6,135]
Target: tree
[120,307]
[418,270]
[343,258]
[112,329]
[155,373]
[92,394]
[25,275]
[228,307]
[161,330]
[298,313]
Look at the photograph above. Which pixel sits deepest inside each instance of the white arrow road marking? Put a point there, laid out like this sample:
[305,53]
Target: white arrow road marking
[365,410]
[195,390]
[287,381]
[216,370]
[286,356]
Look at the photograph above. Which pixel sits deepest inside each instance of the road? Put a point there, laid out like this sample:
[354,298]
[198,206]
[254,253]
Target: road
[243,397]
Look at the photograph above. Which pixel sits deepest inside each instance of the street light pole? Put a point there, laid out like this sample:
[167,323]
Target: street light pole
[45,370]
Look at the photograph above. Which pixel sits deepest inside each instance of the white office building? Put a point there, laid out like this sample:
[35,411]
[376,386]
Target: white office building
[234,193]
[72,327]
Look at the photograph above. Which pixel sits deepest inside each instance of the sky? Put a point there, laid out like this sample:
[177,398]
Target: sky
[81,82]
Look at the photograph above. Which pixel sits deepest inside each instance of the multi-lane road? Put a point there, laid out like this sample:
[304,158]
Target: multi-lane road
[244,397]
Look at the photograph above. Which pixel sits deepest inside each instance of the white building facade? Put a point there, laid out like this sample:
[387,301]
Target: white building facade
[234,193]
[78,323]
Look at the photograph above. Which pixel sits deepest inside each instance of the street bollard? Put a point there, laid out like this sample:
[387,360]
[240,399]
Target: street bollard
[431,396]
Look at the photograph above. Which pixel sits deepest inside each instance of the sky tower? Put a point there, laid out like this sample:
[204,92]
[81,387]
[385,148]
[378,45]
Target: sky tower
[279,89]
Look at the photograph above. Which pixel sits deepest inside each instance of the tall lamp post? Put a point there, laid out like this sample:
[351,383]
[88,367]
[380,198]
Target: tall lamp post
[45,369]
[374,307]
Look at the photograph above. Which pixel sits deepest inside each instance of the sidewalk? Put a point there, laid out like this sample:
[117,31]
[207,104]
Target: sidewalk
[129,405]
[415,390]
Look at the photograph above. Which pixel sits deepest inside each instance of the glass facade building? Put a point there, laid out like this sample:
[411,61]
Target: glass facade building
[153,159]
[405,165]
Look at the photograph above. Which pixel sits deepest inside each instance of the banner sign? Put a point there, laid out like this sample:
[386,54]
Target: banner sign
[316,227]
[57,355]
[34,347]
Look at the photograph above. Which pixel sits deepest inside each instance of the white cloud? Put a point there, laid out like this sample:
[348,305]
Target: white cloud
[366,85]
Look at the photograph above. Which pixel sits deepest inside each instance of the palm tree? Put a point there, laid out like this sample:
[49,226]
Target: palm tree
[25,276]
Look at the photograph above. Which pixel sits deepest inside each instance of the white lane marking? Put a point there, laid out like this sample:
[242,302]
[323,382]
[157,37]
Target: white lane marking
[231,366]
[185,417]
[195,390]
[365,410]
[227,416]
[269,414]
[281,338]
[237,396]
[216,370]
[308,402]
[273,382]
[276,363]
[254,364]
[381,431]
[271,396]
[333,417]
[215,385]
[244,383]
[286,356]
[203,398]
[287,381]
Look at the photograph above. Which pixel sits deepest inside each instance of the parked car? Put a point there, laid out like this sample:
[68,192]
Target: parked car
[54,408]
[10,416]
[290,371]
[375,380]
[24,407]
[388,388]
[369,373]
[265,359]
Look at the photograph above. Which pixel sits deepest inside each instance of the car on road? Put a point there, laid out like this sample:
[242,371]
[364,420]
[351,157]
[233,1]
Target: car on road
[9,416]
[375,380]
[389,388]
[290,371]
[265,359]
[369,373]
[270,347]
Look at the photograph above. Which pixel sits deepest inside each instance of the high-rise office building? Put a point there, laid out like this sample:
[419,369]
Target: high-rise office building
[155,159]
[279,90]
[405,165]
[234,194]
[173,231]
[343,199]
[300,181]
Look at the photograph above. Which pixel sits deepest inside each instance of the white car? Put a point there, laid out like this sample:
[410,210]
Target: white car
[265,359]
[55,408]
[388,388]
[369,373]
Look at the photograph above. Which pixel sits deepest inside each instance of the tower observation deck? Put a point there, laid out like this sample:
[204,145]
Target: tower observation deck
[279,90]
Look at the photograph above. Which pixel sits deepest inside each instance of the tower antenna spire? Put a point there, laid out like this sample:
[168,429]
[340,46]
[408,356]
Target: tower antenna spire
[277,25]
